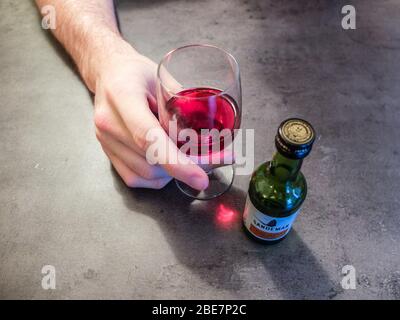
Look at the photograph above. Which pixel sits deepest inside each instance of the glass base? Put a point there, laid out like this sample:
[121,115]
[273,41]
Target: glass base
[221,180]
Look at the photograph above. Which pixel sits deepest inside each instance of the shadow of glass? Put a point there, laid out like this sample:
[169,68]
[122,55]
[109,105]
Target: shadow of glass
[207,238]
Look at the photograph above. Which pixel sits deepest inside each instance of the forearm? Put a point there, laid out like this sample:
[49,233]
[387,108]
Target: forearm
[88,31]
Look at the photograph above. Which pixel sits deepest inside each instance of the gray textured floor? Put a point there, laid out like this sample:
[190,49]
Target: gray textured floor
[60,203]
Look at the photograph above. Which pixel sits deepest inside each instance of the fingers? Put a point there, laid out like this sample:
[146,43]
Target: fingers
[185,169]
[131,159]
[132,179]
[107,121]
[134,111]
[139,120]
[153,104]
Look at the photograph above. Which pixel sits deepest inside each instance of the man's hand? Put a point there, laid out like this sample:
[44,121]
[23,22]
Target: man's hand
[124,100]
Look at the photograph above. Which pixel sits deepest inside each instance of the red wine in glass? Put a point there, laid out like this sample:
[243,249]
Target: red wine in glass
[203,108]
[205,117]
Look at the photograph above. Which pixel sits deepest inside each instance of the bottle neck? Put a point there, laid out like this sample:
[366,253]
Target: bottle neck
[285,168]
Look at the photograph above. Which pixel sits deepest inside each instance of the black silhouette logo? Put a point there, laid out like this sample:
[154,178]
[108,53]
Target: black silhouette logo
[272,223]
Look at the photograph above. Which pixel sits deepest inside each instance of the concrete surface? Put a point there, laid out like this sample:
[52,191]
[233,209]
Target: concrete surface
[61,204]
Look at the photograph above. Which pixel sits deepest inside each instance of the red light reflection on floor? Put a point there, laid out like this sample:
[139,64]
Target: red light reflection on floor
[225,216]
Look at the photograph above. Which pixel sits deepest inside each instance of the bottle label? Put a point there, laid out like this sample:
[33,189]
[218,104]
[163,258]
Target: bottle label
[265,227]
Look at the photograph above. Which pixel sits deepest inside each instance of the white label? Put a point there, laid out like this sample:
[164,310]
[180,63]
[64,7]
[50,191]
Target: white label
[265,227]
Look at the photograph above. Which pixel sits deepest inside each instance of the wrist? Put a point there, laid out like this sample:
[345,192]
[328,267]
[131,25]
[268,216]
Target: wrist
[102,56]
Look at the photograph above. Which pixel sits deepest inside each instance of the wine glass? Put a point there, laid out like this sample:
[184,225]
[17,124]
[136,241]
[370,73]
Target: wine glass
[198,88]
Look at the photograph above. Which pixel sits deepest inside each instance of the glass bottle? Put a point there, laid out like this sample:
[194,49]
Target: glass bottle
[278,188]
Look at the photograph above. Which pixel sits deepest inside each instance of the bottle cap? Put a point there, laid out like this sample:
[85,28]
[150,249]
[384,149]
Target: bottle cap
[295,138]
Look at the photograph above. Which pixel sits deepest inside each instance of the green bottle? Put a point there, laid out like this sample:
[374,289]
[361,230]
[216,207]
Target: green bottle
[278,188]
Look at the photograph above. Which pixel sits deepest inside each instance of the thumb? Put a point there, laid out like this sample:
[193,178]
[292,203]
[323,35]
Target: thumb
[163,151]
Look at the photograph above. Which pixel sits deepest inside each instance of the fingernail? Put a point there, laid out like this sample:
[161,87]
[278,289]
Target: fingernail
[199,183]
